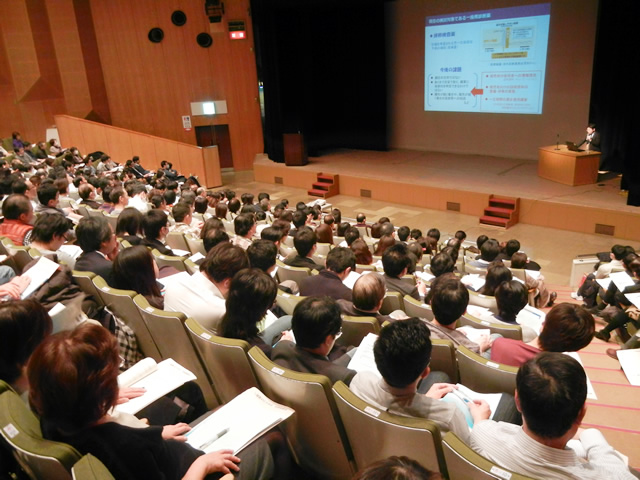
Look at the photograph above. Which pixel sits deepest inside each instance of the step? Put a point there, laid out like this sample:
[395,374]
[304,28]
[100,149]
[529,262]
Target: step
[325,178]
[502,202]
[498,212]
[497,221]
[317,193]
[321,186]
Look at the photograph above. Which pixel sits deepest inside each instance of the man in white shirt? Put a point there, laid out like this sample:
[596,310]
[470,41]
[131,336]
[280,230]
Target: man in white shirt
[245,227]
[551,392]
[617,254]
[138,198]
[202,296]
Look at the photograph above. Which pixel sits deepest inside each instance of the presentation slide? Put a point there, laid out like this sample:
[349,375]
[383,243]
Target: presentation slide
[489,61]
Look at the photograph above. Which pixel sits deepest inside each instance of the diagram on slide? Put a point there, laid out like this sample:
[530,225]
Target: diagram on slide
[490,61]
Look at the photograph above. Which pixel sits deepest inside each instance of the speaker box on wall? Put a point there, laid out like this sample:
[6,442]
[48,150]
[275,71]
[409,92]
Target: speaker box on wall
[178,18]
[155,35]
[204,40]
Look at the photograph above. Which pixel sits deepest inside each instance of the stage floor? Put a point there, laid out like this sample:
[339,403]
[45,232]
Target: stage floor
[491,175]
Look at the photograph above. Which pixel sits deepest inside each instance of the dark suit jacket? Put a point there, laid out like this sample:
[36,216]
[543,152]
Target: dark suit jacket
[305,262]
[158,245]
[325,283]
[595,142]
[402,286]
[290,356]
[91,204]
[96,263]
[348,308]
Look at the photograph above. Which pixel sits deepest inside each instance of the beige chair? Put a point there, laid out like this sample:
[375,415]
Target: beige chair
[365,268]
[392,301]
[196,245]
[507,331]
[288,302]
[113,220]
[297,274]
[354,329]
[319,259]
[337,240]
[285,250]
[468,268]
[85,281]
[177,240]
[521,275]
[96,213]
[40,458]
[485,376]
[169,261]
[120,302]
[480,300]
[465,464]
[314,433]
[82,210]
[415,308]
[170,335]
[23,256]
[443,358]
[364,231]
[90,468]
[375,434]
[225,360]
[191,266]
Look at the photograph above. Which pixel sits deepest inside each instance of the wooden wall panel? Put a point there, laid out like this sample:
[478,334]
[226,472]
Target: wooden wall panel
[212,166]
[118,144]
[71,133]
[95,137]
[168,150]
[144,147]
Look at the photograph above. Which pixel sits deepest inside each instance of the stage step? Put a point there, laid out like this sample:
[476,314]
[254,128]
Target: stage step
[325,186]
[501,212]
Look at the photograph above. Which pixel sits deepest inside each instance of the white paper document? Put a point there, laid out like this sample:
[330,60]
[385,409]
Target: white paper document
[237,423]
[157,378]
[630,363]
[474,334]
[463,395]
[591,393]
[39,273]
[622,280]
[363,360]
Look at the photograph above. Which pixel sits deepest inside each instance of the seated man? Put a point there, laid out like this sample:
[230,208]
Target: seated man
[511,297]
[202,295]
[566,328]
[99,246]
[138,197]
[551,392]
[48,196]
[181,213]
[245,227]
[18,216]
[87,193]
[368,295]
[449,302]
[617,254]
[49,234]
[395,261]
[489,251]
[316,325]
[304,242]
[340,262]
[156,227]
[402,353]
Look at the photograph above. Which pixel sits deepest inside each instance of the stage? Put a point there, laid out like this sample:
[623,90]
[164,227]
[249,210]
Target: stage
[443,181]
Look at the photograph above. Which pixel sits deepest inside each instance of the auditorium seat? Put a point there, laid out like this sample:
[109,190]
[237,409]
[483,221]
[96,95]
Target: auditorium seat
[354,329]
[90,468]
[484,376]
[415,308]
[443,358]
[392,301]
[507,331]
[169,261]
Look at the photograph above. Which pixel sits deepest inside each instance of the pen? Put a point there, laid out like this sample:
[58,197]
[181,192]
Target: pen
[461,396]
[218,435]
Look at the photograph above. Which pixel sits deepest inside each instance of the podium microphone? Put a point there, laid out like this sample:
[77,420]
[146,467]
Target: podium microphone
[558,141]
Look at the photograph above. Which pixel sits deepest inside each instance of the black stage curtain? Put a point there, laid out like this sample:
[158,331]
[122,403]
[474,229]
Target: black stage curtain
[614,101]
[322,66]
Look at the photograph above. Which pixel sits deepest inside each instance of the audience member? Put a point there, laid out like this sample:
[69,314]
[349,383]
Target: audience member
[155,226]
[99,247]
[135,269]
[367,297]
[304,242]
[396,264]
[129,226]
[340,262]
[18,218]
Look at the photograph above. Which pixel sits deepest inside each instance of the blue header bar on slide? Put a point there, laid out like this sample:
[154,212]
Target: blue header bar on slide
[491,14]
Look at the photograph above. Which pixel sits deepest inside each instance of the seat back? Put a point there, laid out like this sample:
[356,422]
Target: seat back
[468,268]
[354,329]
[169,333]
[191,266]
[113,220]
[392,301]
[168,261]
[225,360]
[82,210]
[297,274]
[196,245]
[507,331]
[443,358]
[90,468]
[120,302]
[177,240]
[315,433]
[387,434]
[480,300]
[95,213]
[485,376]
[465,464]
[288,302]
[40,458]
[85,281]
[415,308]
[365,268]
[21,257]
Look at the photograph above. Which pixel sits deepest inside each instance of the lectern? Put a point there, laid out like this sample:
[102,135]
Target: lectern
[568,167]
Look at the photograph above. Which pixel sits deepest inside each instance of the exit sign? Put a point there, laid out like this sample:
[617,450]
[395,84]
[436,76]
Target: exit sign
[237,35]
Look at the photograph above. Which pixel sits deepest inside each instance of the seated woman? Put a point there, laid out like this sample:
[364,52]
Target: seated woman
[385,242]
[135,269]
[567,328]
[497,273]
[129,226]
[74,385]
[251,294]
[544,298]
[362,252]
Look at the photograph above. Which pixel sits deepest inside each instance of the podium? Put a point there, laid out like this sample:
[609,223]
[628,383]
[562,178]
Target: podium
[568,167]
[295,150]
